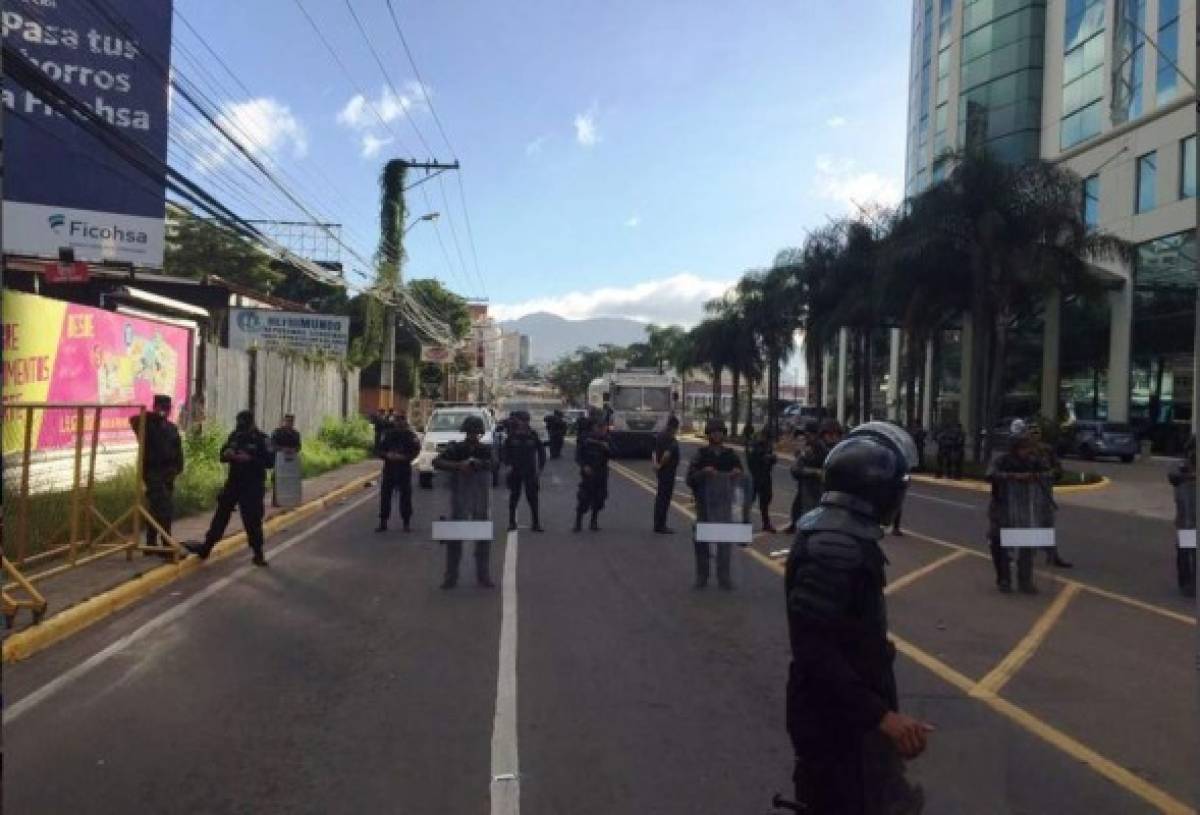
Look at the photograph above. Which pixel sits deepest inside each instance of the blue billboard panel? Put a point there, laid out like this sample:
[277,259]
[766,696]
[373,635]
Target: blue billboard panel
[62,186]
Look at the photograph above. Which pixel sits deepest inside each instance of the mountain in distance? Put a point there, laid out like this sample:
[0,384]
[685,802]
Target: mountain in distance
[552,336]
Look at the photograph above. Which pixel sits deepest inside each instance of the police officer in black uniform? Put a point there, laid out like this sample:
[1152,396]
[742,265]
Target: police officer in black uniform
[248,453]
[842,713]
[525,457]
[399,448]
[761,458]
[592,455]
[469,456]
[809,465]
[666,464]
[556,432]
[708,461]
[1183,480]
[162,463]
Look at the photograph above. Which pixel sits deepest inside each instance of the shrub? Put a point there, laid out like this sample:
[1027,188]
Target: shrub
[352,433]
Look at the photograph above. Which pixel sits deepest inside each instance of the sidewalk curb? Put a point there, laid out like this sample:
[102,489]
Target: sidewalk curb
[979,486]
[80,616]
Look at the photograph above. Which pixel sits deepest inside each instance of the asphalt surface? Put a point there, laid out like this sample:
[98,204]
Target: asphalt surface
[343,680]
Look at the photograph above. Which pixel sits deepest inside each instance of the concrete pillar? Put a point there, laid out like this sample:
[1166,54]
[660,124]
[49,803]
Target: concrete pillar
[1119,348]
[966,390]
[927,390]
[843,341]
[893,396]
[1051,349]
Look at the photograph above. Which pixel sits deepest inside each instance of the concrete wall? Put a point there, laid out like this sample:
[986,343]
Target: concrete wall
[272,384]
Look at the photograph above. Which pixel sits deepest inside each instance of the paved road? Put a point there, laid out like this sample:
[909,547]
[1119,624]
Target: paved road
[342,680]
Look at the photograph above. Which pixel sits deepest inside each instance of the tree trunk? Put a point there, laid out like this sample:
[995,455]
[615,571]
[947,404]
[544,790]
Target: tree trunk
[715,412]
[995,382]
[868,378]
[734,414]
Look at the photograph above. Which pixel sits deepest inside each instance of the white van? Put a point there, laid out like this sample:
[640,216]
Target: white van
[441,428]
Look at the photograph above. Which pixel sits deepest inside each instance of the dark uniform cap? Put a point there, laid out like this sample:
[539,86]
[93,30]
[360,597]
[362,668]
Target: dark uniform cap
[715,426]
[472,425]
[523,415]
[162,400]
[811,426]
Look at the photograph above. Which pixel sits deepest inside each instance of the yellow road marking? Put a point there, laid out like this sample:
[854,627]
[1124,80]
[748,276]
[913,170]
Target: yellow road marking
[1105,767]
[999,676]
[1111,595]
[916,574]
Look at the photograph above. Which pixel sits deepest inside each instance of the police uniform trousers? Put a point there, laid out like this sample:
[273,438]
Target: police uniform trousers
[396,479]
[724,558]
[556,446]
[662,497]
[866,778]
[1000,556]
[517,481]
[593,491]
[469,501]
[160,503]
[764,491]
[248,498]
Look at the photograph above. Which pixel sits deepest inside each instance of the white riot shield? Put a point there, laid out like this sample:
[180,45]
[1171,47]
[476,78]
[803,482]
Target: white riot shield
[723,510]
[1028,514]
[288,479]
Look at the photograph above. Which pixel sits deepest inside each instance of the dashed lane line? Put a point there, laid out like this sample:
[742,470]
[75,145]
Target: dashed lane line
[1047,732]
[1024,650]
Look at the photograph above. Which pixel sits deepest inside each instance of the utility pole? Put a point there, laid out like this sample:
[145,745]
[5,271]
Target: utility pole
[391,258]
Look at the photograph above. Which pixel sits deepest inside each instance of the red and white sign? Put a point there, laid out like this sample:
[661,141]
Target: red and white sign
[59,272]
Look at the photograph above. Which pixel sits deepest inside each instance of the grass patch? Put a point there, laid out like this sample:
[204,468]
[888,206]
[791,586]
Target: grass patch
[337,444]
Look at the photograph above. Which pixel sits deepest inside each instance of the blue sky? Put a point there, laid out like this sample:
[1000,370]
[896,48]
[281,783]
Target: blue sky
[627,158]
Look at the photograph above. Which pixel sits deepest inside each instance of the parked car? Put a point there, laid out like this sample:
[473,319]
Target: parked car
[441,428]
[1091,440]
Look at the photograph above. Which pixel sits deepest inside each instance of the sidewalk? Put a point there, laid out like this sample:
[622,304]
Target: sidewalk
[71,588]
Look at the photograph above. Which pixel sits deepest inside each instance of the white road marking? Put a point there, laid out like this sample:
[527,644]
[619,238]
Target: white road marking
[936,500]
[506,778]
[18,709]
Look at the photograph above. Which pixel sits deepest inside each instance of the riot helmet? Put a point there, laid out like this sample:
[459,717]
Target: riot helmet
[472,426]
[715,426]
[872,465]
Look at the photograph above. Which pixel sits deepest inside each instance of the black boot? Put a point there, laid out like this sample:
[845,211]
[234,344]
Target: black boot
[200,550]
[258,559]
[594,525]
[512,524]
[382,526]
[578,522]
[482,577]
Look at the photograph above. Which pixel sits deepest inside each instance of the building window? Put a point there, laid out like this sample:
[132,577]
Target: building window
[1083,71]
[1167,76]
[1147,172]
[1091,201]
[1129,53]
[1187,168]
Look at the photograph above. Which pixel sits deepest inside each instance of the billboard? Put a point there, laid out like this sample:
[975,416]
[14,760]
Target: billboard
[62,186]
[292,330]
[439,354]
[61,352]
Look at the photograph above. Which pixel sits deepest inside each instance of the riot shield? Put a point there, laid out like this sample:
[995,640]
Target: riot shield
[1027,519]
[467,497]
[723,509]
[288,492]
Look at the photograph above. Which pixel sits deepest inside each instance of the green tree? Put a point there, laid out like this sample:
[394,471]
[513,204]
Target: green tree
[197,247]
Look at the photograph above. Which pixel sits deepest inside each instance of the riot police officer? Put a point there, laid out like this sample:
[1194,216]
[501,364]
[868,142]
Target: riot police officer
[842,710]
[525,457]
[284,439]
[951,446]
[467,462]
[592,454]
[1021,464]
[706,464]
[761,458]
[399,448]
[1183,480]
[666,464]
[499,433]
[808,467]
[162,462]
[247,451]
[556,432]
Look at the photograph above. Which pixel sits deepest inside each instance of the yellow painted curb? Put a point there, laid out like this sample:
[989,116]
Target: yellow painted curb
[25,644]
[979,486]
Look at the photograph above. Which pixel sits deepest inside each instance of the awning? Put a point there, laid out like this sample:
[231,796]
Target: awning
[1107,278]
[157,300]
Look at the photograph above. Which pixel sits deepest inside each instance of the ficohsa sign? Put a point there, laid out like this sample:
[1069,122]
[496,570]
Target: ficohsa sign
[63,187]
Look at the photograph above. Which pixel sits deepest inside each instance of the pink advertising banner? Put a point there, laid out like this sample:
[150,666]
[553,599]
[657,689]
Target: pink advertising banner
[66,353]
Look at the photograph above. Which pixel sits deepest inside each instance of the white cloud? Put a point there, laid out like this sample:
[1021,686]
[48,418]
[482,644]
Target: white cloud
[844,181]
[359,113]
[676,299]
[585,128]
[372,144]
[262,126]
[835,121]
[633,222]
[534,147]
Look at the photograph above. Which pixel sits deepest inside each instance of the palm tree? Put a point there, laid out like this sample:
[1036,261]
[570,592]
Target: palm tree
[738,346]
[770,304]
[1018,233]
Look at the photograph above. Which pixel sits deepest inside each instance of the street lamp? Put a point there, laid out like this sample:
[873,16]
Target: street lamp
[428,216]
